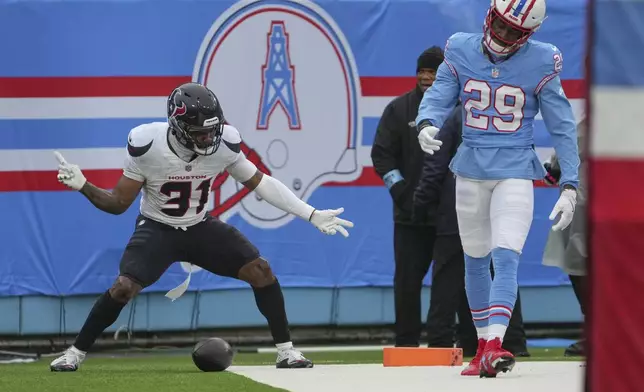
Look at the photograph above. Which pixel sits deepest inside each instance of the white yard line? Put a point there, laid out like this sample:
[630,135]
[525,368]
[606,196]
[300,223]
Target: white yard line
[323,349]
[526,377]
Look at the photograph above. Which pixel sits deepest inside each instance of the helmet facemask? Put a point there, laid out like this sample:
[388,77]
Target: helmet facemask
[202,140]
[514,37]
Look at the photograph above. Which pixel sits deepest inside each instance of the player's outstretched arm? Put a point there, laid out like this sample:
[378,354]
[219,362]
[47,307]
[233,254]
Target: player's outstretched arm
[278,195]
[116,201]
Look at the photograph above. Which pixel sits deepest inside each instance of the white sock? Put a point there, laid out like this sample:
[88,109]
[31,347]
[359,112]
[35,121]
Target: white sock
[284,346]
[482,333]
[496,331]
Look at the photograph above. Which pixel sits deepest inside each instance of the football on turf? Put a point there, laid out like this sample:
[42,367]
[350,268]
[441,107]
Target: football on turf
[212,355]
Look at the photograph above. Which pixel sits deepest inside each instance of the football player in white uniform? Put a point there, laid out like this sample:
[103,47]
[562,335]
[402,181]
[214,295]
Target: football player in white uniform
[174,163]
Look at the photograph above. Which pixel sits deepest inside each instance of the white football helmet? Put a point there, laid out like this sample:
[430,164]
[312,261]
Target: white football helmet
[510,23]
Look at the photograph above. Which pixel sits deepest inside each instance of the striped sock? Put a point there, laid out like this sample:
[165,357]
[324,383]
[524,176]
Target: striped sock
[503,294]
[478,281]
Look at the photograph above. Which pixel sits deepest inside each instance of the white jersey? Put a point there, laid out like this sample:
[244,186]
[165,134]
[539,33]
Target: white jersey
[175,192]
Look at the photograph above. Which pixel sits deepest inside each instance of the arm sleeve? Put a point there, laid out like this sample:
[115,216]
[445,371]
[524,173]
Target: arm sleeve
[241,169]
[278,195]
[559,120]
[270,189]
[386,148]
[436,167]
[439,100]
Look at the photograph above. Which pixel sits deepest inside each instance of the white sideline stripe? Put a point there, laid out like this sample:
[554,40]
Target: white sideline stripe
[141,107]
[324,377]
[617,122]
[326,349]
[113,158]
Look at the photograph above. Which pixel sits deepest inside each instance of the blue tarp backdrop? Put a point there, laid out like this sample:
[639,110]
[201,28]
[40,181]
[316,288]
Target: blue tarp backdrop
[77,76]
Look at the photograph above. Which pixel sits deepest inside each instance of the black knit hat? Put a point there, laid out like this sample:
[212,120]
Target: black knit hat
[430,58]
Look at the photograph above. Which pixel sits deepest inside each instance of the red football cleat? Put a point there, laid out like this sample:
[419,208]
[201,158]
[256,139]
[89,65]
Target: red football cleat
[474,367]
[495,359]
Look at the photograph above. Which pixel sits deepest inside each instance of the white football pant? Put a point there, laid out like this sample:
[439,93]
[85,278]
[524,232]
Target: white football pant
[493,214]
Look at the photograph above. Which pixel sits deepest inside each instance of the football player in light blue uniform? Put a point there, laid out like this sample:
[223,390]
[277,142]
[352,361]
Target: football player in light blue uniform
[503,80]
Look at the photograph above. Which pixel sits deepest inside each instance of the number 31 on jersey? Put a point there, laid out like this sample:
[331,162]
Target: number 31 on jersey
[181,193]
[508,104]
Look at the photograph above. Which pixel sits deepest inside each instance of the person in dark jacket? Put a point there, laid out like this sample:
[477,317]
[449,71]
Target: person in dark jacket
[567,249]
[437,186]
[397,158]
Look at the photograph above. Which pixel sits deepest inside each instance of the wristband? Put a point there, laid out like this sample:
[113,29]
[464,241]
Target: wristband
[392,177]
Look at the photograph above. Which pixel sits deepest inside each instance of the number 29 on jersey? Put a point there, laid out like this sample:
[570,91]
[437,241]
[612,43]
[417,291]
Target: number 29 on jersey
[507,102]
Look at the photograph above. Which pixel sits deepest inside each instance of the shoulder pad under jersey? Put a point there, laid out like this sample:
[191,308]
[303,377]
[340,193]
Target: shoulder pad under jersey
[456,48]
[140,139]
[457,40]
[231,138]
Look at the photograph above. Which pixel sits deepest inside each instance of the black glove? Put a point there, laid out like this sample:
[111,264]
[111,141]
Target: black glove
[398,193]
[552,176]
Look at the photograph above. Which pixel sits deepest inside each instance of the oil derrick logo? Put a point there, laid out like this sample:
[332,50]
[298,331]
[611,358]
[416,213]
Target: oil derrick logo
[292,92]
[278,79]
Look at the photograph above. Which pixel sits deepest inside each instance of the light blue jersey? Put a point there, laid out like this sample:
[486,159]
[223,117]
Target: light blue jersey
[500,102]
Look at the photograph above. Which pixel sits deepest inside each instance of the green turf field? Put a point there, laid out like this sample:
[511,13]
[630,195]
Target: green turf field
[160,373]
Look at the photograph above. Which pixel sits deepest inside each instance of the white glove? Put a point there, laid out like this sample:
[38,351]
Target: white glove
[427,141]
[327,221]
[69,174]
[565,205]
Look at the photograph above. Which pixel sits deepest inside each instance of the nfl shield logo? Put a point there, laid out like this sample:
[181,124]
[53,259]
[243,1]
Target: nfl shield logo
[495,73]
[188,168]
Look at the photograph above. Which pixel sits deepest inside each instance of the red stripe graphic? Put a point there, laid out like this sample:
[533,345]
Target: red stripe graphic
[92,86]
[18,181]
[155,86]
[500,314]
[131,86]
[23,181]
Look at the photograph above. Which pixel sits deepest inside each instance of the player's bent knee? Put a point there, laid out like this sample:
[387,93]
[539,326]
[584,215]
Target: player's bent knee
[476,249]
[124,289]
[511,241]
[257,273]
[476,252]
